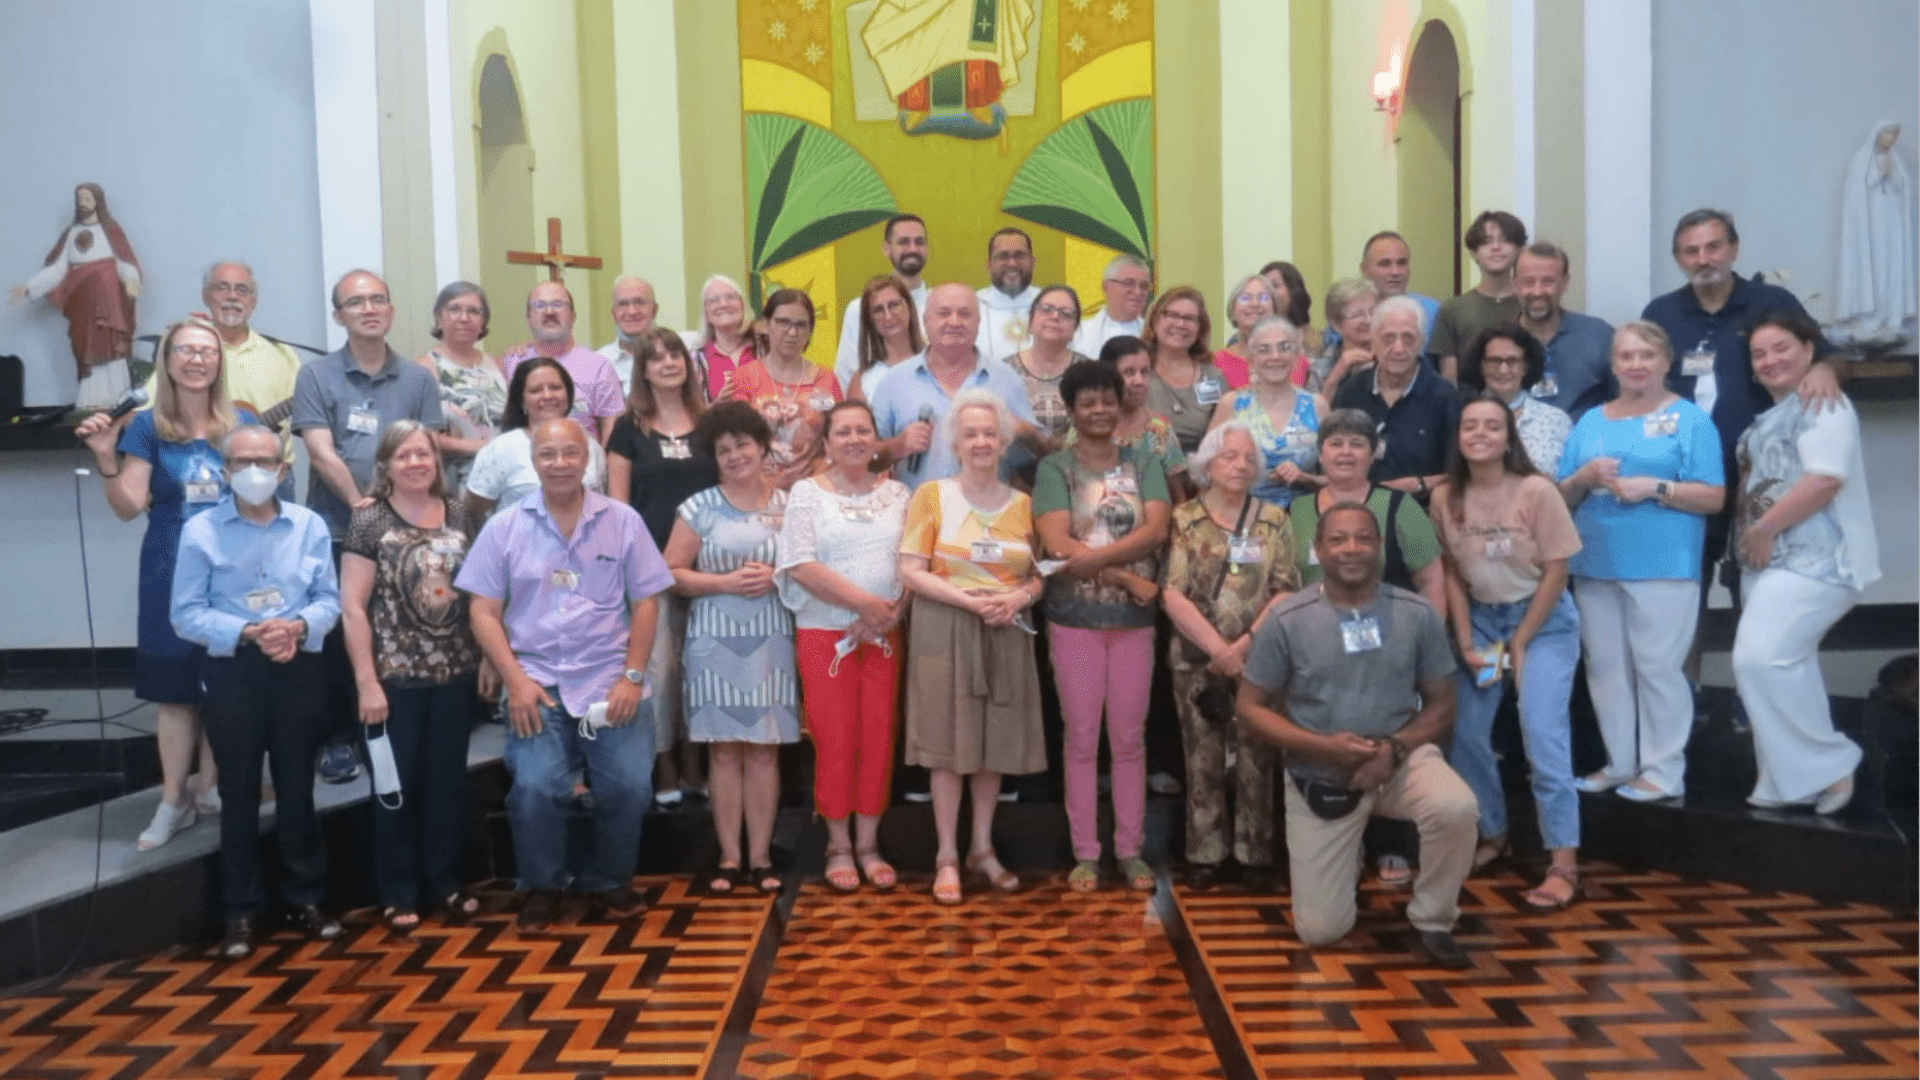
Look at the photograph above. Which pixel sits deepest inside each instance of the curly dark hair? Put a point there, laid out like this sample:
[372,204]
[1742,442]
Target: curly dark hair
[730,418]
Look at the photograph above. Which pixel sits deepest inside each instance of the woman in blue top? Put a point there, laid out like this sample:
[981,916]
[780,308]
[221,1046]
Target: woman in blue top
[1282,418]
[1642,474]
[171,471]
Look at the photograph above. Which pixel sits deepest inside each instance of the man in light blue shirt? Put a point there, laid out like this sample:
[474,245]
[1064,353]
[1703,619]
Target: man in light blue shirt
[912,400]
[1579,347]
[563,585]
[254,583]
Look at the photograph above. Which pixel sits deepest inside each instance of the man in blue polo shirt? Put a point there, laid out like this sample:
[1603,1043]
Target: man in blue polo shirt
[1707,320]
[1416,409]
[1579,347]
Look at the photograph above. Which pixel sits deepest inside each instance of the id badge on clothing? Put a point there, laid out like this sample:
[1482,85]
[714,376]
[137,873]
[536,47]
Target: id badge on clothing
[819,401]
[564,579]
[1698,362]
[267,599]
[364,421]
[1244,550]
[1360,635]
[1546,387]
[202,491]
[1207,391]
[984,552]
[448,545]
[676,450]
[1499,547]
[1660,425]
[1119,483]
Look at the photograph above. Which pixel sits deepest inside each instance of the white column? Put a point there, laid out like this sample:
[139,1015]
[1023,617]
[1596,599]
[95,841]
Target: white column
[446,197]
[1619,128]
[346,110]
[653,238]
[1256,137]
[1520,45]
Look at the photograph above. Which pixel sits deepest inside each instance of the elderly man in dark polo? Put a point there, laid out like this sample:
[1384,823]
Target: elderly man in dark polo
[1354,680]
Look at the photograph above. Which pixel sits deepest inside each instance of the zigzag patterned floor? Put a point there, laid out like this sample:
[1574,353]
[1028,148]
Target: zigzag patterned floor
[1652,976]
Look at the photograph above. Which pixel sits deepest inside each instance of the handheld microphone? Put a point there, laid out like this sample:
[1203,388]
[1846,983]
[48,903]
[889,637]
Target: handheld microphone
[133,399]
[916,461]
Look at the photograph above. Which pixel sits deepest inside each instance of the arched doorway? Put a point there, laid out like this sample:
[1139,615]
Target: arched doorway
[504,160]
[1429,162]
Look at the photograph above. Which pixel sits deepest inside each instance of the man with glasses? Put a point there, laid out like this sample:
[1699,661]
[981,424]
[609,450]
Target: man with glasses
[904,243]
[1005,303]
[634,308]
[598,394]
[260,372]
[1128,286]
[340,404]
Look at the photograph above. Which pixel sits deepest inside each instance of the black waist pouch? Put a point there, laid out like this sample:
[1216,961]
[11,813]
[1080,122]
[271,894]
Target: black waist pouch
[1329,802]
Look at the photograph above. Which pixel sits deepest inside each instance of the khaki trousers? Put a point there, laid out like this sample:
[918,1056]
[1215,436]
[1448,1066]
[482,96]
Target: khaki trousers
[1324,856]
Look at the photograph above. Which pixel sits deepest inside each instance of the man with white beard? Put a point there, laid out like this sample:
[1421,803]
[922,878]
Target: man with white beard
[1005,304]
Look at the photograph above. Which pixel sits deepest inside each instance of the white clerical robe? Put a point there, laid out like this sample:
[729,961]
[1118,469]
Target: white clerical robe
[1003,321]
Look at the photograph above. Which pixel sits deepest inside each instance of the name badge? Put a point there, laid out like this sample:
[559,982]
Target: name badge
[1546,387]
[820,401]
[1499,547]
[1313,556]
[1246,550]
[1360,635]
[987,551]
[203,491]
[564,579]
[1698,362]
[363,421]
[448,545]
[1660,425]
[1119,483]
[859,512]
[267,599]
[676,450]
[1207,391]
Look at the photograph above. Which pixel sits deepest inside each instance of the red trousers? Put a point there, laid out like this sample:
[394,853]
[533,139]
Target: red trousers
[850,714]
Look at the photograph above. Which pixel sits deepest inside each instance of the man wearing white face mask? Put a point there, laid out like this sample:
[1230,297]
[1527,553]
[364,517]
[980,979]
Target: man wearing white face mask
[255,585]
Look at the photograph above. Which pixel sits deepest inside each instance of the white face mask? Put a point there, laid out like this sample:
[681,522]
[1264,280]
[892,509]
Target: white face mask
[254,485]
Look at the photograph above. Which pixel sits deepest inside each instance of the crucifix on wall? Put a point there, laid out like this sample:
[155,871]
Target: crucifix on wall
[553,258]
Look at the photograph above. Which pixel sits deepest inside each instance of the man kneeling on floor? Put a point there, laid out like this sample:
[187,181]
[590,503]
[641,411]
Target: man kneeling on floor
[1354,680]
[563,585]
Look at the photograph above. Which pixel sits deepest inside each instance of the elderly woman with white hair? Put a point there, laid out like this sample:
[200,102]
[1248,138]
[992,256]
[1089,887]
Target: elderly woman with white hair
[1232,557]
[1347,346]
[726,343]
[973,691]
[1415,408]
[1283,419]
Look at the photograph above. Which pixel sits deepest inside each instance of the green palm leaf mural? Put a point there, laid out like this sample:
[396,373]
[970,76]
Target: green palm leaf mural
[1093,178]
[805,188]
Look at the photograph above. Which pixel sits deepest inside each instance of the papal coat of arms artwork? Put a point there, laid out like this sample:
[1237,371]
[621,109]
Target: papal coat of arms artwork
[973,114]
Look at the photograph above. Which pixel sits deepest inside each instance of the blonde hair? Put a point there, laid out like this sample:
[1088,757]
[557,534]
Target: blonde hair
[168,420]
[390,439]
[1650,332]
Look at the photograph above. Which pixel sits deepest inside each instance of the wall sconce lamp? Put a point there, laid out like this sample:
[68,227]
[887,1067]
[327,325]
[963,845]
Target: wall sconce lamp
[1386,87]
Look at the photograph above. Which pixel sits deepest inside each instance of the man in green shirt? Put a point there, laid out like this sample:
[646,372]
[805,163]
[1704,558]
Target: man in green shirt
[1494,240]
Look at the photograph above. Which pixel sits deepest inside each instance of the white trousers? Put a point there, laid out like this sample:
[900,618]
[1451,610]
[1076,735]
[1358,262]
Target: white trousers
[1637,634]
[1776,664]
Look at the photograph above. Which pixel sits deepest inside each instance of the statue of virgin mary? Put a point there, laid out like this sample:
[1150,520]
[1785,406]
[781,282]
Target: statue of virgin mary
[1877,280]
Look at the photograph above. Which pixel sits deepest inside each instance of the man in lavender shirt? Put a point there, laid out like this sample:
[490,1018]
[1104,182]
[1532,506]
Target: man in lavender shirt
[563,585]
[598,397]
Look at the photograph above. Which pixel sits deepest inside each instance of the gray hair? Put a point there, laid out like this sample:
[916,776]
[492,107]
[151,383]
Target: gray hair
[1123,262]
[1341,294]
[1648,331]
[455,291]
[279,440]
[977,397]
[746,313]
[1402,305]
[1201,459]
[206,279]
[1233,298]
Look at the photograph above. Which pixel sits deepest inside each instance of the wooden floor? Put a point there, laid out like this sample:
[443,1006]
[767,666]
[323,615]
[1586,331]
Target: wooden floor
[1651,977]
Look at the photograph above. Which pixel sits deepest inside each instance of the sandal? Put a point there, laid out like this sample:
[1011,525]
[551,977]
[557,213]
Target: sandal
[767,880]
[1539,899]
[1139,875]
[1395,871]
[400,920]
[1084,877]
[842,874]
[946,881]
[461,903]
[987,865]
[1489,851]
[723,880]
[880,873]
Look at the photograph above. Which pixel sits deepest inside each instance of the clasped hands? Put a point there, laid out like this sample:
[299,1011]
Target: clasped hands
[1369,761]
[1604,473]
[278,638]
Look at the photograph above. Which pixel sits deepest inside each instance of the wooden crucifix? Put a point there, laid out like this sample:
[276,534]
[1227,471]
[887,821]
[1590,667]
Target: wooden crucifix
[553,258]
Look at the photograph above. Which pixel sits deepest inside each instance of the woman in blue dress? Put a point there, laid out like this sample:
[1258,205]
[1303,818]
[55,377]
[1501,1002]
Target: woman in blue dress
[165,462]
[1282,418]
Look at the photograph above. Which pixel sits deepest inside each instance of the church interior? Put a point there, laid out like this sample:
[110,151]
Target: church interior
[772,142]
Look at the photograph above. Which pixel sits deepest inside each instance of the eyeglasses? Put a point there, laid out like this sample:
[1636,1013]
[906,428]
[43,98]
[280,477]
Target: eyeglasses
[366,300]
[890,307]
[791,326]
[196,352]
[1276,348]
[464,309]
[1131,284]
[1056,311]
[229,288]
[723,300]
[1180,317]
[548,305]
[1253,298]
[235,464]
[1503,361]
[633,303]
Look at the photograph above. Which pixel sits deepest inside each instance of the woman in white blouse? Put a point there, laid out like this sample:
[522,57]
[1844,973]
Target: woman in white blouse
[839,575]
[502,472]
[1510,362]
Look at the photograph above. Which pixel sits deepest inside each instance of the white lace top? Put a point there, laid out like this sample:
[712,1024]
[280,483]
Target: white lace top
[855,536]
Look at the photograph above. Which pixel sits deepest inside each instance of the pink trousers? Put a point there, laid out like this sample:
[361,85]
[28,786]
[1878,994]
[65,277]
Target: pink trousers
[1108,671]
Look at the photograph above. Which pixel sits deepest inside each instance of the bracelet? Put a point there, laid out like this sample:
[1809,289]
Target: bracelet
[105,475]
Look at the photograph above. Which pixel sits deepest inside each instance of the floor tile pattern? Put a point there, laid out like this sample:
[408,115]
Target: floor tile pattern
[1044,983]
[645,997]
[1653,976]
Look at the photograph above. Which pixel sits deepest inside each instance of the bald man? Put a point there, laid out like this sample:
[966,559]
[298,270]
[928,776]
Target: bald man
[599,396]
[914,397]
[634,309]
[563,585]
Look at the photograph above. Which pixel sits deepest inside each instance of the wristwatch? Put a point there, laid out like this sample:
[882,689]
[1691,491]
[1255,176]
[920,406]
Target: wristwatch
[1398,748]
[634,676]
[1662,492]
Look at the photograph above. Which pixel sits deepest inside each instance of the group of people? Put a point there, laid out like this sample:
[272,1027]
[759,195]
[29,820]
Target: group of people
[1346,542]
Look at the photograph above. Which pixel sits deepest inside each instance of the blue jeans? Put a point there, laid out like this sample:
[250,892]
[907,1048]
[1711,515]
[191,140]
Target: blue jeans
[619,769]
[1546,686]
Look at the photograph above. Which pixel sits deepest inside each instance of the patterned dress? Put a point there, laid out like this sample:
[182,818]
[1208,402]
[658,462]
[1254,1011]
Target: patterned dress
[1298,442]
[472,399]
[795,411]
[420,632]
[740,676]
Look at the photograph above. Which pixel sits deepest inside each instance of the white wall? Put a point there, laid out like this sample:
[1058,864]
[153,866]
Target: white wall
[197,119]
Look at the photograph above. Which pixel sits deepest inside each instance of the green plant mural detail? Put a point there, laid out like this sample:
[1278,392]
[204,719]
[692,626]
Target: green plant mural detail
[1093,179]
[805,188]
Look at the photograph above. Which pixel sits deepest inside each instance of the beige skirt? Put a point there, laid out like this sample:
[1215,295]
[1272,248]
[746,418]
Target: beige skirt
[973,694]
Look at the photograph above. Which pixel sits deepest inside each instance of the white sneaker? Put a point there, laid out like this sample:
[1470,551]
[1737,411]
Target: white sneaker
[167,820]
[209,802]
[1161,783]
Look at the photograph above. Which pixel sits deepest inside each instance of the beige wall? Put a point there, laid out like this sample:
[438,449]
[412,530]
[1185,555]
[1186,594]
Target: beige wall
[1560,158]
[1256,136]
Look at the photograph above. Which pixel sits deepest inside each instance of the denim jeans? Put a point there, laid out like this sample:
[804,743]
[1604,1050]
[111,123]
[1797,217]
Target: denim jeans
[619,769]
[1546,686]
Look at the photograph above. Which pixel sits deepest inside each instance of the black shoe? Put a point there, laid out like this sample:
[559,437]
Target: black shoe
[1260,879]
[1440,947]
[238,944]
[1202,876]
[316,924]
[620,902]
[539,910]
[338,764]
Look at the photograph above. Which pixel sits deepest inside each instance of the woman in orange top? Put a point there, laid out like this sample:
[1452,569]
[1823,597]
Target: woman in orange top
[790,391]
